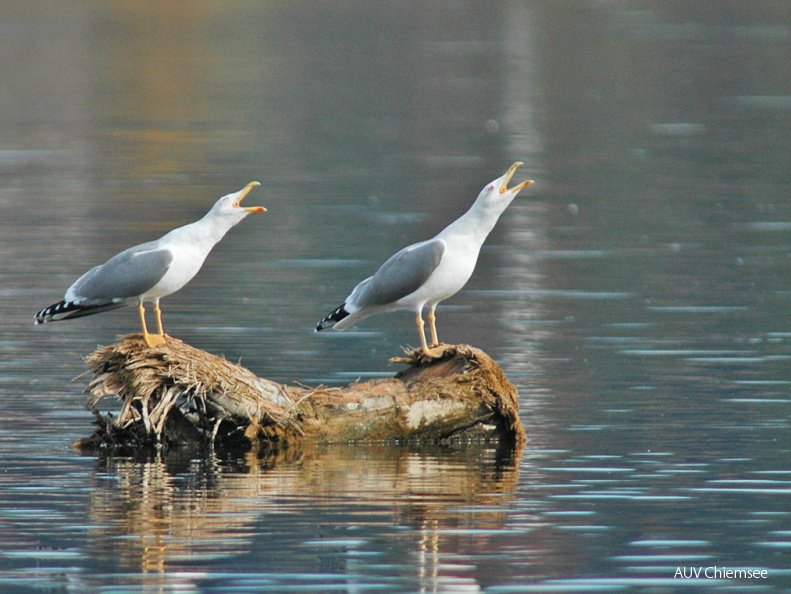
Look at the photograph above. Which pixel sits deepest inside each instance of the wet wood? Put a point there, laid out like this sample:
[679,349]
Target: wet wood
[176,395]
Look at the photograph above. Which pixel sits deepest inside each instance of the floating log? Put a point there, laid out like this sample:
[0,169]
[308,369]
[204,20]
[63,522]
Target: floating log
[177,395]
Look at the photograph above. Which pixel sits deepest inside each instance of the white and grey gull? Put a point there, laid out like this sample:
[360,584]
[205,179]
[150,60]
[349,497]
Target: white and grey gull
[426,273]
[152,270]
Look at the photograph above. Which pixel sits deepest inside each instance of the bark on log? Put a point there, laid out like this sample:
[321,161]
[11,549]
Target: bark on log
[175,395]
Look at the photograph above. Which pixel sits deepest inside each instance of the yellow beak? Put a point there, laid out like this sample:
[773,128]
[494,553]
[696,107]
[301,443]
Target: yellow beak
[246,190]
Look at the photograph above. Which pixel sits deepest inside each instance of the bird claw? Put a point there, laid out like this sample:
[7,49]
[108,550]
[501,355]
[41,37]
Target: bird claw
[421,355]
[436,351]
[153,340]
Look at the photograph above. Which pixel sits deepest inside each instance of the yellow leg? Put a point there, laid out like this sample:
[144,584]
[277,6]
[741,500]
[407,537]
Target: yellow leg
[432,324]
[420,326]
[150,339]
[142,311]
[158,313]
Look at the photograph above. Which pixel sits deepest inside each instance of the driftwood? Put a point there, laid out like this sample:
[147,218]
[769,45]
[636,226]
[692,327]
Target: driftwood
[177,395]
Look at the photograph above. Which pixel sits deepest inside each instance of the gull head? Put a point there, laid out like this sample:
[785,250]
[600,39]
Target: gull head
[230,206]
[498,192]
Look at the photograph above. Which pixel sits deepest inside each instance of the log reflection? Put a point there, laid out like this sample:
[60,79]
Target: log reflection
[159,514]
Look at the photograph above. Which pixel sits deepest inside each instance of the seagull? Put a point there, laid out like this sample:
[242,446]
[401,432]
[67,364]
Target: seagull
[425,273]
[152,270]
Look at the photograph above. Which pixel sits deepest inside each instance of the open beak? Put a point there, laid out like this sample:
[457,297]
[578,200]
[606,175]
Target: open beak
[242,193]
[507,177]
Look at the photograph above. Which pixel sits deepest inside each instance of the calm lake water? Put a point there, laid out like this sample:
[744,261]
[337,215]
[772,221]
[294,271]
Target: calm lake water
[638,294]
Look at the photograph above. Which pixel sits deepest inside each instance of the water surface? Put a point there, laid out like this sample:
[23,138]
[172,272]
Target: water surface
[637,294]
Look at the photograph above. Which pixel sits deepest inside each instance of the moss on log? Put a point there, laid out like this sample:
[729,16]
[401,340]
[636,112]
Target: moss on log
[177,395]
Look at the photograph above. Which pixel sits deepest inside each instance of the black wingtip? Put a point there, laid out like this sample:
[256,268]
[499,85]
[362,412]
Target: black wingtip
[67,310]
[51,313]
[333,318]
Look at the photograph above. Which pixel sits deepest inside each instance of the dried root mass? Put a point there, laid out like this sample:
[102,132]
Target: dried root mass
[177,395]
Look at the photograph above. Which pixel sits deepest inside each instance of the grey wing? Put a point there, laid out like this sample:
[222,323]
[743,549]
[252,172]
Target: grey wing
[128,274]
[402,274]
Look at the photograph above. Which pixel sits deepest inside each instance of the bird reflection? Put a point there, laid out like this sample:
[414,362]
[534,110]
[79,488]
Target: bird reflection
[154,515]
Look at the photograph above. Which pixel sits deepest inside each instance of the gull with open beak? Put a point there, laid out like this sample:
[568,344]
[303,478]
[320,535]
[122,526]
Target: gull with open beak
[426,273]
[152,270]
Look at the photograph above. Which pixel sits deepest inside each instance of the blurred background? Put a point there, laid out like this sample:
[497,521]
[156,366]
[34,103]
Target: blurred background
[637,294]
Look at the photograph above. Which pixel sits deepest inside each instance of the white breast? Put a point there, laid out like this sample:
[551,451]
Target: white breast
[453,272]
[187,261]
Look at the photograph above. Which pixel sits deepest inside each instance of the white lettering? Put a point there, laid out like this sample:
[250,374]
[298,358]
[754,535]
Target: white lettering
[724,573]
[687,573]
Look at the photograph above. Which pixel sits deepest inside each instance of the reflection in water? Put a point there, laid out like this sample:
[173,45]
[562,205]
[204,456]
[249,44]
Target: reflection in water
[155,88]
[170,512]
[638,298]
